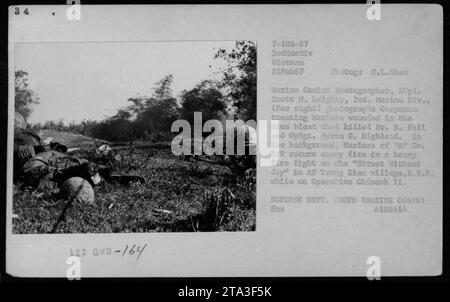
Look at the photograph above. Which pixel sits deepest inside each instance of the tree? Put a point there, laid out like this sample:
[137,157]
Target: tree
[115,128]
[154,115]
[120,126]
[24,96]
[239,78]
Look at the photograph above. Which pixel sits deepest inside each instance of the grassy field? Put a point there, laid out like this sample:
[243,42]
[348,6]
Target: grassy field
[178,196]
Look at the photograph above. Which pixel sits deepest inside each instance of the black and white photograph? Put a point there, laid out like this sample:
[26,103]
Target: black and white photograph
[92,137]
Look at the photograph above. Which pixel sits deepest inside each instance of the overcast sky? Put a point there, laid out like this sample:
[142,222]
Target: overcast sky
[77,81]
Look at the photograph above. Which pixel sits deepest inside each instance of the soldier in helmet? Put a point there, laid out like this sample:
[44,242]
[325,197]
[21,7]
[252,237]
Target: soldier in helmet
[44,165]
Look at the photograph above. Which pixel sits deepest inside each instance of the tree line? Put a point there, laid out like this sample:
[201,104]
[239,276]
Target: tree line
[149,118]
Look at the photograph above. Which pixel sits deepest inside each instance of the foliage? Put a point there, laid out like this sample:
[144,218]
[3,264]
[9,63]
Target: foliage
[240,78]
[176,191]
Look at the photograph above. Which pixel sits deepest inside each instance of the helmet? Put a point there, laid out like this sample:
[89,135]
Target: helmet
[79,190]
